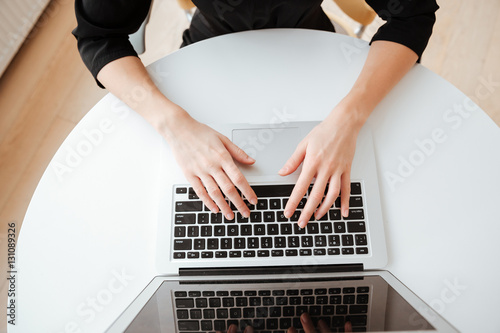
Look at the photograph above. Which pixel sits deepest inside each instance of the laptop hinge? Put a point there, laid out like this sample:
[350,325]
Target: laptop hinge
[270,270]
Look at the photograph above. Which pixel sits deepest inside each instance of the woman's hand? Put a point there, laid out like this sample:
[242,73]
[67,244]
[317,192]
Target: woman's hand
[206,158]
[327,153]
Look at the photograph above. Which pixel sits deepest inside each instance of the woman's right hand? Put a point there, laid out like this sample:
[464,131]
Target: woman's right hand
[206,159]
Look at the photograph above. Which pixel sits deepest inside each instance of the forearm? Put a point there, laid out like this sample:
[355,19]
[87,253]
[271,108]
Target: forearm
[385,66]
[128,79]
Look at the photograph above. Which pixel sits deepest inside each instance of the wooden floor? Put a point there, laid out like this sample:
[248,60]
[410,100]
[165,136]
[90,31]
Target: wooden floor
[46,90]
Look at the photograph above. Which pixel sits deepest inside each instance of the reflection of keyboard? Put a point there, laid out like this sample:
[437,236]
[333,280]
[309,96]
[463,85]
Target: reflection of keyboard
[200,234]
[275,310]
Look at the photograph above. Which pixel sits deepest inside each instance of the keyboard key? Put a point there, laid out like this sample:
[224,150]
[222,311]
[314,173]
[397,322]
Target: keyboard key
[182,314]
[291,253]
[356,226]
[188,206]
[259,229]
[241,301]
[235,313]
[335,214]
[203,218]
[280,216]
[347,240]
[228,302]
[179,255]
[201,302]
[319,252]
[277,253]
[326,227]
[262,204]
[207,255]
[268,301]
[239,243]
[360,239]
[241,219]
[246,230]
[312,228]
[337,202]
[226,243]
[235,254]
[361,250]
[219,325]
[322,300]
[254,301]
[255,216]
[216,218]
[272,323]
[193,231]
[249,205]
[266,242]
[222,313]
[248,313]
[219,230]
[295,216]
[269,216]
[302,203]
[307,241]
[253,242]
[293,241]
[341,309]
[363,289]
[182,244]
[358,320]
[279,242]
[193,255]
[294,300]
[213,244]
[355,214]
[208,293]
[355,188]
[188,325]
[223,293]
[328,310]
[347,250]
[180,231]
[206,231]
[292,292]
[273,229]
[181,190]
[320,241]
[321,291]
[348,290]
[180,294]
[248,254]
[286,229]
[355,202]
[339,227]
[267,191]
[333,252]
[274,203]
[334,291]
[214,302]
[184,303]
[263,253]
[232,230]
[206,325]
[199,244]
[297,230]
[358,309]
[362,298]
[192,194]
[333,240]
[305,252]
[185,218]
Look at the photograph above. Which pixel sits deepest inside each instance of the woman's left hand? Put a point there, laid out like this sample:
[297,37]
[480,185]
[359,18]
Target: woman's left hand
[326,153]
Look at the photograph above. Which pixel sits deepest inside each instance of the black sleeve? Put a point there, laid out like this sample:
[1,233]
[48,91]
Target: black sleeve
[408,22]
[103,29]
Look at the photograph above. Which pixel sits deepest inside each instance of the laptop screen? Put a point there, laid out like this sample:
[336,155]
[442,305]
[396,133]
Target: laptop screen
[352,304]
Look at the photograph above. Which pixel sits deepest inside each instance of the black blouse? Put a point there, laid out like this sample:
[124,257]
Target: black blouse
[104,25]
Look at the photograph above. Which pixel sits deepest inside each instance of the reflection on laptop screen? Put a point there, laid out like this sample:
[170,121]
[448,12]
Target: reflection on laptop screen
[357,304]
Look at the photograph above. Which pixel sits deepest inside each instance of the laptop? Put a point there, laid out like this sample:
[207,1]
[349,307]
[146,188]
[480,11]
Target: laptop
[264,271]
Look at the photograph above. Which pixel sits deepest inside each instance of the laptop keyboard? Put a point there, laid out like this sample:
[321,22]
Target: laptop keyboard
[271,310]
[201,234]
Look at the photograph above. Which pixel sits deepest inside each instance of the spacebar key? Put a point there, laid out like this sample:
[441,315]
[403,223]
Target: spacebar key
[188,325]
[266,191]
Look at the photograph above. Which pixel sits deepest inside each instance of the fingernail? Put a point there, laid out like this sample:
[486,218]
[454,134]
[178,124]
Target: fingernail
[287,213]
[229,216]
[251,159]
[345,212]
[305,319]
[246,213]
[232,329]
[253,201]
[302,223]
[214,210]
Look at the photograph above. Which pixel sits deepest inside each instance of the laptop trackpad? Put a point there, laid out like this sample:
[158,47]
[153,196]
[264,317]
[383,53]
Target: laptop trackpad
[270,147]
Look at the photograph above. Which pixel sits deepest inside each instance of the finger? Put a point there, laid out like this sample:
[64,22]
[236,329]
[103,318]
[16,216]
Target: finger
[345,192]
[236,152]
[215,193]
[291,330]
[240,181]
[299,190]
[307,323]
[201,192]
[331,195]
[313,200]
[232,329]
[294,161]
[248,329]
[323,328]
[348,327]
[231,193]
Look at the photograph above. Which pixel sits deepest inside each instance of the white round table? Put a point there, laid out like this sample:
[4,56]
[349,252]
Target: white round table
[87,245]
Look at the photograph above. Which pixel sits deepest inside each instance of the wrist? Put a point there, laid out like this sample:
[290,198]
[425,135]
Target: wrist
[352,110]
